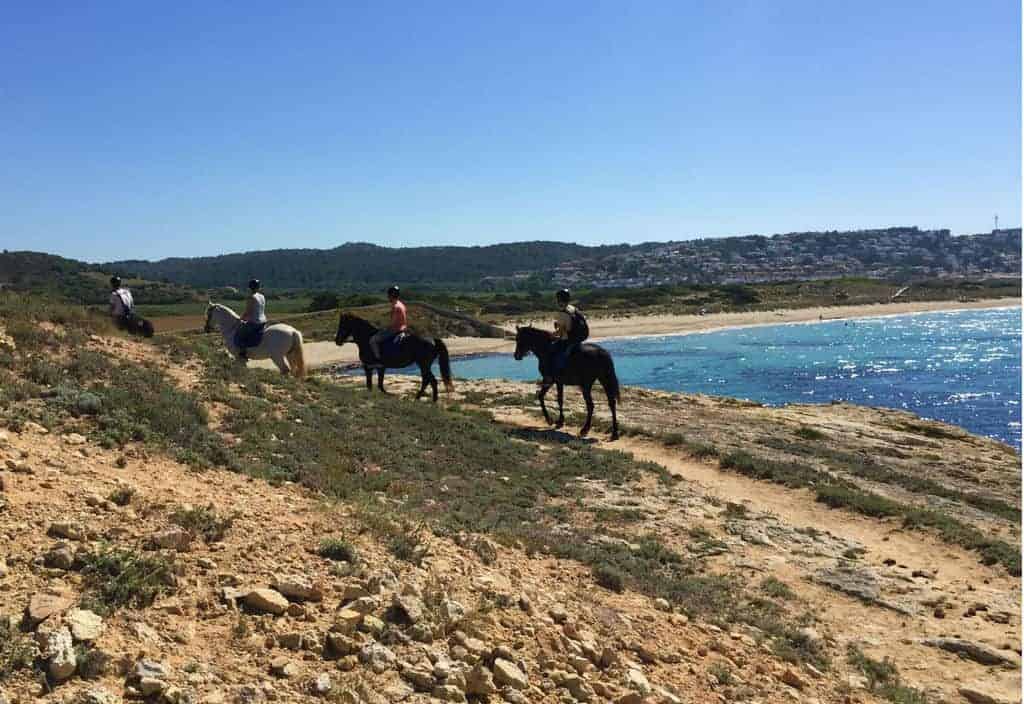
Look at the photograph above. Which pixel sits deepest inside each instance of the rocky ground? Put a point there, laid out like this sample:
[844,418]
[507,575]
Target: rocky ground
[125,575]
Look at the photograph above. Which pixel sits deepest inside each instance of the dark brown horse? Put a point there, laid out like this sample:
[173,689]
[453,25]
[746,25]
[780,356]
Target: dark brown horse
[587,364]
[412,349]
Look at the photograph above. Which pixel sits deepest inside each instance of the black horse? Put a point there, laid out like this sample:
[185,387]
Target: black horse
[585,365]
[136,325]
[413,349]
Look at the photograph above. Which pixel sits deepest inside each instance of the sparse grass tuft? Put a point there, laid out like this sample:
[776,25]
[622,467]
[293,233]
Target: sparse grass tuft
[116,578]
[16,649]
[721,672]
[884,678]
[776,588]
[609,577]
[92,662]
[809,433]
[122,495]
[204,522]
[338,549]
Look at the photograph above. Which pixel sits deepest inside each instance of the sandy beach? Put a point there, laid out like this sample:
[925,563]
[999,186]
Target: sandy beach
[320,354]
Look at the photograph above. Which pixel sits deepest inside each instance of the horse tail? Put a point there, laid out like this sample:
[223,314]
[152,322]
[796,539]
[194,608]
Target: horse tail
[611,382]
[297,356]
[446,367]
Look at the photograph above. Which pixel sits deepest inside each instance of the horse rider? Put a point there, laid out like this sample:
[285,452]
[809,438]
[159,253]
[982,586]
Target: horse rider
[122,305]
[254,319]
[398,325]
[571,329]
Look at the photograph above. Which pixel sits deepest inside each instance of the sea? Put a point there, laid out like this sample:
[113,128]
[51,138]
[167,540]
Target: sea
[961,367]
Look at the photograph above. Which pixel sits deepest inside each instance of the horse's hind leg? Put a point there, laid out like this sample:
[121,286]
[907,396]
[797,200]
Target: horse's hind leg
[369,378]
[282,365]
[424,380]
[433,384]
[588,398]
[560,389]
[612,402]
[380,380]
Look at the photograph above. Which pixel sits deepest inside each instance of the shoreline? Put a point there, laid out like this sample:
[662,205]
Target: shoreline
[327,354]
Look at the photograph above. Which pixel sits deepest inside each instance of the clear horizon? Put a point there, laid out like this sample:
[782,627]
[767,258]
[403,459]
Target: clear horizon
[185,131]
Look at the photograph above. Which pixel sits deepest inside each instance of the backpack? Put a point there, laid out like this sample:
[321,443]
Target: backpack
[580,330]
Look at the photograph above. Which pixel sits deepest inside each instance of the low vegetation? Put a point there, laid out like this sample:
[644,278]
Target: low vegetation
[117,578]
[840,493]
[883,678]
[16,649]
[338,549]
[203,522]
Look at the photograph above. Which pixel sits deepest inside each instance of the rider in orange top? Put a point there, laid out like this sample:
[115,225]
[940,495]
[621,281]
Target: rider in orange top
[399,323]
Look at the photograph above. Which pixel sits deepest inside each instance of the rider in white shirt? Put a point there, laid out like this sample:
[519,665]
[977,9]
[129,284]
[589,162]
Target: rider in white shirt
[254,319]
[122,305]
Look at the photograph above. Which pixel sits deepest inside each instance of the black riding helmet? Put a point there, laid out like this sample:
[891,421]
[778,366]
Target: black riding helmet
[115,282]
[563,296]
[393,291]
[254,284]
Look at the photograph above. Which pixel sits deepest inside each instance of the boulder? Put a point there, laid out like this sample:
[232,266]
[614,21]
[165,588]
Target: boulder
[84,624]
[43,606]
[60,654]
[177,539]
[298,587]
[507,674]
[411,607]
[266,601]
[979,652]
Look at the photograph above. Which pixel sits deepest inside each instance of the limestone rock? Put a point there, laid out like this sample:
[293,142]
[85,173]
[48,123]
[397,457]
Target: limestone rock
[176,539]
[64,529]
[410,606]
[298,587]
[60,654]
[480,682]
[85,625]
[379,658]
[266,601]
[979,652]
[507,674]
[43,606]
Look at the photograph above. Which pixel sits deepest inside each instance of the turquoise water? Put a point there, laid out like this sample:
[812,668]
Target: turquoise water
[962,367]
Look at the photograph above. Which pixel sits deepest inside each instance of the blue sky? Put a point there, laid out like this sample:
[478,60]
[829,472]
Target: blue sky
[145,130]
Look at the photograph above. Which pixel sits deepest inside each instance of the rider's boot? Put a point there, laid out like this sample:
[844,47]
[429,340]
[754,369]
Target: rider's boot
[242,356]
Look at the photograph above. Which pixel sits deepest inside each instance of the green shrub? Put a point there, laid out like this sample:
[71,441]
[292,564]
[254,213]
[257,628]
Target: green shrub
[116,578]
[16,649]
[609,577]
[777,588]
[203,522]
[338,549]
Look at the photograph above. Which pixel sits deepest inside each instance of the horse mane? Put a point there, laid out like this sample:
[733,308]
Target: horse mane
[221,306]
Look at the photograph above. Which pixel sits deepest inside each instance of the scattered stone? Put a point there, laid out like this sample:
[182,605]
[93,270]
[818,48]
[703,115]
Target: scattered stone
[346,620]
[507,674]
[298,587]
[60,558]
[637,681]
[321,685]
[378,657]
[85,625]
[266,601]
[410,607]
[92,696]
[177,539]
[66,530]
[790,677]
[452,612]
[74,439]
[59,651]
[479,682]
[341,645]
[977,696]
[283,667]
[979,652]
[662,604]
[43,606]
[558,613]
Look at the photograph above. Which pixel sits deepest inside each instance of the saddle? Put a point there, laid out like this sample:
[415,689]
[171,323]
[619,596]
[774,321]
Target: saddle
[249,335]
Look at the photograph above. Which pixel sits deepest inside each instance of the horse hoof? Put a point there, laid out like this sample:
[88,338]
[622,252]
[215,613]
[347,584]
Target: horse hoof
[584,433]
[559,424]
[613,437]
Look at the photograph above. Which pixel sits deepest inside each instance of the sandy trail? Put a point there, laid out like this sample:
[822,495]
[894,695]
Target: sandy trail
[326,353]
[955,575]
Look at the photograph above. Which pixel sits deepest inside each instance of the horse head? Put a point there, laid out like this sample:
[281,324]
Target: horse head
[529,339]
[210,306]
[344,329]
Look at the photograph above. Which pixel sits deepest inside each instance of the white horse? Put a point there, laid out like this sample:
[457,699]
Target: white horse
[281,343]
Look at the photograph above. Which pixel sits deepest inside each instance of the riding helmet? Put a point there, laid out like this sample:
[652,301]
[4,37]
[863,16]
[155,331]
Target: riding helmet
[393,291]
[563,295]
[254,284]
[115,282]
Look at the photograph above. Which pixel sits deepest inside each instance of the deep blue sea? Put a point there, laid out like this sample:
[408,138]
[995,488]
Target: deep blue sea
[962,367]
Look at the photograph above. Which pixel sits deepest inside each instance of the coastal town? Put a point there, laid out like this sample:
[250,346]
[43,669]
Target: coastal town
[899,253]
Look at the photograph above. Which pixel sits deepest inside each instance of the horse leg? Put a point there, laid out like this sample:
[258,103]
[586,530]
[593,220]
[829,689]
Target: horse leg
[615,419]
[433,384]
[424,380]
[540,397]
[380,380]
[560,388]
[282,365]
[369,378]
[589,400]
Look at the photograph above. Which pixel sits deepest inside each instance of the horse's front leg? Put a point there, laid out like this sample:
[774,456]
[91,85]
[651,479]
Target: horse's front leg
[589,400]
[380,380]
[540,397]
[560,388]
[369,378]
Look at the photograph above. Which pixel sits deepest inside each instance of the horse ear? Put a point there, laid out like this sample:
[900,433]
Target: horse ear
[518,328]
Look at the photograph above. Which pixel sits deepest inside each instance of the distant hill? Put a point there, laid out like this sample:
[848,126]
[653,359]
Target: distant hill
[903,253]
[77,281]
[367,266]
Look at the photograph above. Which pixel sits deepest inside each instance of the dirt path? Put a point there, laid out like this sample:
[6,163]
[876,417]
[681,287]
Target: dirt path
[923,588]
